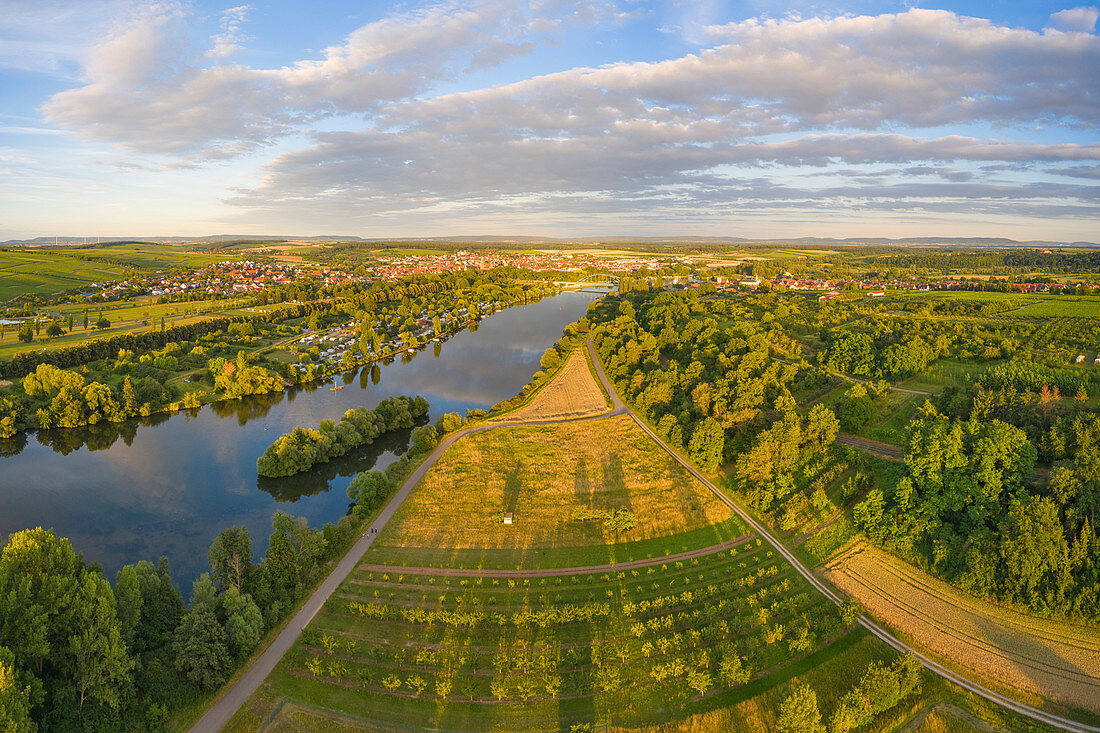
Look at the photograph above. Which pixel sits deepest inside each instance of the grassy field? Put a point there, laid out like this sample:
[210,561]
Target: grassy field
[149,256]
[560,481]
[1055,659]
[1060,306]
[24,272]
[573,392]
[125,316]
[46,272]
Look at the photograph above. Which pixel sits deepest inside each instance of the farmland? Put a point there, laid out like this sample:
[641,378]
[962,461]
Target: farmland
[562,482]
[573,392]
[630,648]
[131,316]
[47,272]
[716,639]
[43,273]
[1054,659]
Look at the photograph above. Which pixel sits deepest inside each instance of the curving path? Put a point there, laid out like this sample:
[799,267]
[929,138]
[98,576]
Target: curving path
[218,716]
[1027,711]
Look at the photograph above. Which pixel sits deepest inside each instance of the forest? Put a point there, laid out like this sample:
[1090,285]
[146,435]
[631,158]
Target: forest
[728,381]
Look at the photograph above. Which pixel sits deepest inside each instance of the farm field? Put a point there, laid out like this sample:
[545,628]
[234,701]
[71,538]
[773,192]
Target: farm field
[151,256]
[27,271]
[635,648]
[573,392]
[125,317]
[46,272]
[1061,306]
[1056,659]
[560,481]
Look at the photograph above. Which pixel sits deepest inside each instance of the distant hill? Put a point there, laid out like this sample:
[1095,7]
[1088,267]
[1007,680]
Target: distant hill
[212,241]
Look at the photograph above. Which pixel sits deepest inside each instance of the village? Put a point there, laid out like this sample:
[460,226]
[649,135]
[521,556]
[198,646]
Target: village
[249,277]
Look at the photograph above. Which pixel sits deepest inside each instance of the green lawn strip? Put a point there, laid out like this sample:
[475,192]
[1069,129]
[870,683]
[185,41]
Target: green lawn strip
[556,557]
[719,566]
[896,416]
[595,377]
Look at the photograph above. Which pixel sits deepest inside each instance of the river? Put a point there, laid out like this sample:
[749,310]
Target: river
[168,485]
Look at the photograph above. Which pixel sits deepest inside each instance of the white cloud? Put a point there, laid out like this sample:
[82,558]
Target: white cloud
[146,90]
[1075,20]
[228,41]
[730,125]
[51,36]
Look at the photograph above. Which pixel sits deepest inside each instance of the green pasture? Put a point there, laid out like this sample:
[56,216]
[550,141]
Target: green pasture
[1060,306]
[42,273]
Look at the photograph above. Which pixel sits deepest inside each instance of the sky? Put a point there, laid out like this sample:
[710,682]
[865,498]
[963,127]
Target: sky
[561,118]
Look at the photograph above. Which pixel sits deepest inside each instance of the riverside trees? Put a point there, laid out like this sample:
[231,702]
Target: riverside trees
[77,655]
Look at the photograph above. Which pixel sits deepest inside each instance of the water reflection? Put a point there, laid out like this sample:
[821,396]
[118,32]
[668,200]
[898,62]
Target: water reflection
[317,479]
[167,484]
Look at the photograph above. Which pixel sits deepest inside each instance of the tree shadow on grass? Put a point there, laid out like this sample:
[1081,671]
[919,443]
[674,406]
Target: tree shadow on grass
[512,487]
[582,484]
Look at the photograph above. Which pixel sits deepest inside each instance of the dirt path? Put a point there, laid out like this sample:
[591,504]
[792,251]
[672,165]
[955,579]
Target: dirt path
[886,450]
[556,572]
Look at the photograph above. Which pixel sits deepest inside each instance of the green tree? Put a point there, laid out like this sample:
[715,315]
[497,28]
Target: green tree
[798,713]
[199,645]
[26,333]
[1034,553]
[100,665]
[707,443]
[230,558]
[368,489]
[244,624]
[15,698]
[128,603]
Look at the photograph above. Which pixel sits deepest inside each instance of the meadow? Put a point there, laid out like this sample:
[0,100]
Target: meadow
[573,392]
[1056,659]
[562,482]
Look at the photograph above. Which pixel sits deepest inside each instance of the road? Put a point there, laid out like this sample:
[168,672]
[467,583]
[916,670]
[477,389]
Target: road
[1026,711]
[888,451]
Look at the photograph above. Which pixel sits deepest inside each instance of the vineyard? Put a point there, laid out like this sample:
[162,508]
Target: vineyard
[573,392]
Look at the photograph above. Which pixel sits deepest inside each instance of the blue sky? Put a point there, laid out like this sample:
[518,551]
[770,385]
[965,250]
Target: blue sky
[550,117]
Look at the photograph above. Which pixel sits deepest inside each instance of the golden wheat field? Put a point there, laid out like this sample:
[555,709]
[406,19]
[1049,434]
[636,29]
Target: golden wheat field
[560,482]
[1055,659]
[573,392]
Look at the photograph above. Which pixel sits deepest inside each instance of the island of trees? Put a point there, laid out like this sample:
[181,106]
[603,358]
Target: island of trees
[301,449]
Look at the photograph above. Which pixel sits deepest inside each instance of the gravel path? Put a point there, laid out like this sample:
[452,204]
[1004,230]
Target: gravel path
[556,572]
